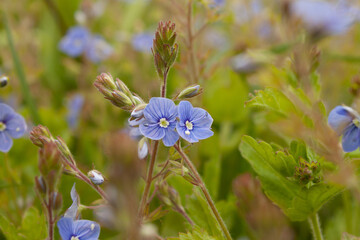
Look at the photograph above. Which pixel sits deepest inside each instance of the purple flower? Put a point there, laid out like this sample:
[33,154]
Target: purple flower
[160,121]
[194,124]
[142,42]
[74,107]
[75,41]
[78,229]
[346,122]
[12,125]
[98,49]
[322,18]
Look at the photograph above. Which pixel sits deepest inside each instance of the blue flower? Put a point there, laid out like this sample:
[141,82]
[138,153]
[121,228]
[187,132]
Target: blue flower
[72,211]
[75,41]
[12,125]
[322,18]
[98,49]
[142,42]
[78,229]
[160,121]
[194,123]
[217,3]
[346,121]
[74,107]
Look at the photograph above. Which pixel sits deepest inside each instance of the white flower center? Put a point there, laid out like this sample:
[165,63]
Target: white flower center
[2,126]
[189,126]
[356,122]
[163,123]
[74,238]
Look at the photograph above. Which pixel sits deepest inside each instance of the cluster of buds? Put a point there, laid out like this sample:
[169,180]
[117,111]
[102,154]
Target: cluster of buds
[46,184]
[189,92]
[117,92]
[165,49]
[307,172]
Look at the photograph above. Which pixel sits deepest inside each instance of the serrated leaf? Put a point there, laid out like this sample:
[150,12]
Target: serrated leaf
[196,234]
[296,201]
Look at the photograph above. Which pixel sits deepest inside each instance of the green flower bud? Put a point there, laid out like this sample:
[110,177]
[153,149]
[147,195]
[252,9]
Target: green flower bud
[190,92]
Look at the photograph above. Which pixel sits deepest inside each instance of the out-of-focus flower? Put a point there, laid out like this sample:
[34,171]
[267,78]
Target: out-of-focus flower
[194,123]
[217,3]
[98,49]
[12,125]
[75,41]
[142,42]
[78,229]
[346,122]
[244,63]
[322,18]
[96,177]
[160,121]
[74,107]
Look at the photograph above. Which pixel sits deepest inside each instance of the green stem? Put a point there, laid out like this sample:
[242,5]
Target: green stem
[21,75]
[206,193]
[315,226]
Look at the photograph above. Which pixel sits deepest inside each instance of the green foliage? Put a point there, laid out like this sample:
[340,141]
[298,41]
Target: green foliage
[196,234]
[274,170]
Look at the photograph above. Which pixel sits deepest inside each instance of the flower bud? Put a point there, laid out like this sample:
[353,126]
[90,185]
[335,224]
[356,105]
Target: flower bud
[190,92]
[95,177]
[49,158]
[143,148]
[40,184]
[40,135]
[3,81]
[56,201]
[138,111]
[106,80]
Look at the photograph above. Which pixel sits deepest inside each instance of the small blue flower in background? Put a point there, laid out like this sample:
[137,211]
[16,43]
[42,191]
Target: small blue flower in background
[78,229]
[75,41]
[217,3]
[12,125]
[74,106]
[160,121]
[98,49]
[194,124]
[322,17]
[143,42]
[345,121]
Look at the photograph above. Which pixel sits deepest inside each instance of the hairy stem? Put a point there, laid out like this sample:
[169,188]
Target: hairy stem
[149,179]
[206,193]
[315,226]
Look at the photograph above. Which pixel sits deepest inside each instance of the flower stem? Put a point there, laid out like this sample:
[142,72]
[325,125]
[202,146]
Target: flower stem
[315,226]
[206,193]
[149,179]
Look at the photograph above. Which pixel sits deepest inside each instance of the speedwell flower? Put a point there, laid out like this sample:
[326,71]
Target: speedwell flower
[78,229]
[75,41]
[346,122]
[12,125]
[160,121]
[194,124]
[98,49]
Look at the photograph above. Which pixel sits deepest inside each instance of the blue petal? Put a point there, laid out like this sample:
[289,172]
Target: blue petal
[5,112]
[143,149]
[71,212]
[339,118]
[185,111]
[75,41]
[152,130]
[181,131]
[86,230]
[15,126]
[202,133]
[160,108]
[5,142]
[202,122]
[351,139]
[170,138]
[66,228]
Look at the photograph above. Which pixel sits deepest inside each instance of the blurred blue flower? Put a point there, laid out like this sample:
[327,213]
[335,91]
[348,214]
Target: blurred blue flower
[78,229]
[74,106]
[217,3]
[142,42]
[75,41]
[346,122]
[322,18]
[98,49]
[194,124]
[12,125]
[160,121]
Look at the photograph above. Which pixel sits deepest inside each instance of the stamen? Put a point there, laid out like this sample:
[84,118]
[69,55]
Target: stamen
[356,122]
[164,123]
[2,126]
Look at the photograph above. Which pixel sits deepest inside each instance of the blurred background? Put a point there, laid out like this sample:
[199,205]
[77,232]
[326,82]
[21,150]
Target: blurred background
[230,47]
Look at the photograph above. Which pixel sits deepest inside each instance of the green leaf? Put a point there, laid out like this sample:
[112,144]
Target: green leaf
[8,229]
[347,236]
[196,234]
[212,170]
[272,99]
[296,201]
[33,225]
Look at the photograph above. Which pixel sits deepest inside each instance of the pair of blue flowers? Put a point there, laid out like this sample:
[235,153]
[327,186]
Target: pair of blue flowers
[163,120]
[78,40]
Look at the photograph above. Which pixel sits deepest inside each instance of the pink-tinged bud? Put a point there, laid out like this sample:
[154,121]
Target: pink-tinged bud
[40,184]
[40,135]
[106,80]
[56,201]
[138,111]
[49,158]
